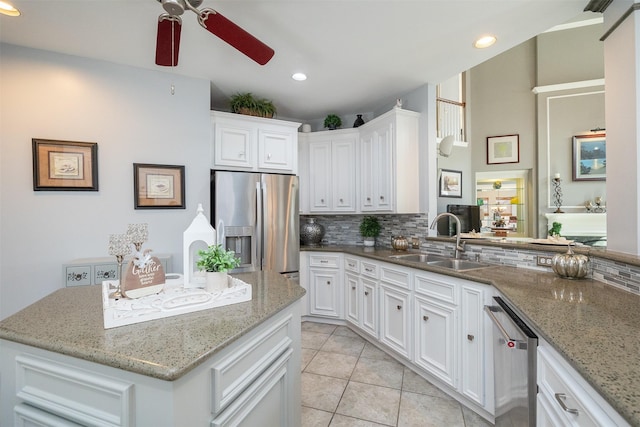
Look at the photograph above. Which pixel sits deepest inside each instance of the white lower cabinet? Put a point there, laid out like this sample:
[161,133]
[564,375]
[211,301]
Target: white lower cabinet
[253,381]
[325,285]
[395,313]
[565,398]
[434,321]
[435,325]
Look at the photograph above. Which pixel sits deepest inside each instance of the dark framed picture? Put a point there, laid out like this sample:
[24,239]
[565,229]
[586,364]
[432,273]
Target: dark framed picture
[64,165]
[503,149]
[158,186]
[450,183]
[590,157]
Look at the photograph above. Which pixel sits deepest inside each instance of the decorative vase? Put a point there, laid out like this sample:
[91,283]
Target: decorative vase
[311,233]
[216,281]
[369,241]
[359,121]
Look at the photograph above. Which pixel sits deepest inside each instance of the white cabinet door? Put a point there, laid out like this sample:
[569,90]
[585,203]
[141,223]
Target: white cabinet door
[435,338]
[367,172]
[320,176]
[344,175]
[385,175]
[305,282]
[325,293]
[396,314]
[369,318]
[233,146]
[472,351]
[352,302]
[276,150]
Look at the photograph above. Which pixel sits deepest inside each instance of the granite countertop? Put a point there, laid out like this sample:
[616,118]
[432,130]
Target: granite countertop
[69,321]
[595,326]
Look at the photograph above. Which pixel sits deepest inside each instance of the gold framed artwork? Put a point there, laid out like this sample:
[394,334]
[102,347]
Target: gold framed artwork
[64,165]
[158,186]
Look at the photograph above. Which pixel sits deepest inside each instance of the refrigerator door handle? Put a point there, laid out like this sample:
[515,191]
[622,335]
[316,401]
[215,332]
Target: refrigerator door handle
[259,226]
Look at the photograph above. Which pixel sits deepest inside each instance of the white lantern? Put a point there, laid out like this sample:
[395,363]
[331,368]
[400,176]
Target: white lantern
[200,235]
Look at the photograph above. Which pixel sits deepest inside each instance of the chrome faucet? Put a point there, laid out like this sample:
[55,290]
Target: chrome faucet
[459,246]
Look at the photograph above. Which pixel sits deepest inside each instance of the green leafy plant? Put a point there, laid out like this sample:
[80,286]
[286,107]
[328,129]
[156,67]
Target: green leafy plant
[555,229]
[246,103]
[332,121]
[370,227]
[216,258]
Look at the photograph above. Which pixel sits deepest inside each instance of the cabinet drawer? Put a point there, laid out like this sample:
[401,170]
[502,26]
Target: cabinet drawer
[28,416]
[234,373]
[437,288]
[352,264]
[395,276]
[369,269]
[559,386]
[327,261]
[73,393]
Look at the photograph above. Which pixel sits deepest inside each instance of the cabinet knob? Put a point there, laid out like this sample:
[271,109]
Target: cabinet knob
[341,201]
[381,197]
[368,199]
[366,293]
[328,282]
[353,287]
[399,307]
[425,318]
[269,156]
[470,337]
[321,200]
[241,154]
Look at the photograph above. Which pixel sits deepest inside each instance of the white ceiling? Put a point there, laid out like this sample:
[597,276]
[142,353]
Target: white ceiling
[357,54]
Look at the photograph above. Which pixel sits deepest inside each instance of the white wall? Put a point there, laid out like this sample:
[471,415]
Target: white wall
[133,117]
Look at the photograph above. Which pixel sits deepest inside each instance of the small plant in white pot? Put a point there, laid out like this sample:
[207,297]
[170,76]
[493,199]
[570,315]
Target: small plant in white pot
[370,229]
[216,261]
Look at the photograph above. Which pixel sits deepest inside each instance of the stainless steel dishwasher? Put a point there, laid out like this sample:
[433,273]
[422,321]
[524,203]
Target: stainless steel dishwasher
[514,353]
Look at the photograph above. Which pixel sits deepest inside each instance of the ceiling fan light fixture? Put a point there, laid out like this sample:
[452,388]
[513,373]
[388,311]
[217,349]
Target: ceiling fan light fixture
[8,9]
[173,7]
[299,77]
[484,42]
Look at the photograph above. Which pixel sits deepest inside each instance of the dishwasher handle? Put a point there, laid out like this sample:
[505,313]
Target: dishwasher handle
[511,343]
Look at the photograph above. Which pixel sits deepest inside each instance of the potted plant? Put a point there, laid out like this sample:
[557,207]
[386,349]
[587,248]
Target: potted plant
[332,122]
[246,103]
[216,261]
[370,229]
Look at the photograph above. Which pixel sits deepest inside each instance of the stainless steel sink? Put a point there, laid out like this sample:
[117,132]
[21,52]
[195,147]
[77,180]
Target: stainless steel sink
[428,258]
[458,264]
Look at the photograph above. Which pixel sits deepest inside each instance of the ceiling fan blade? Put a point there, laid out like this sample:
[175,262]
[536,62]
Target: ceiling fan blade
[220,26]
[168,40]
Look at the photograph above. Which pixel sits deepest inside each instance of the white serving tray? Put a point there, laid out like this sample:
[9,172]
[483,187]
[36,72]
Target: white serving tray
[174,299]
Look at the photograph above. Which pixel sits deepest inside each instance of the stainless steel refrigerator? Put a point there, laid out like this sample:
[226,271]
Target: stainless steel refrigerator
[256,215]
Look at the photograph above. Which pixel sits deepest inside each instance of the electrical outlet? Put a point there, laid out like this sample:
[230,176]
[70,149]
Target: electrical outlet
[544,261]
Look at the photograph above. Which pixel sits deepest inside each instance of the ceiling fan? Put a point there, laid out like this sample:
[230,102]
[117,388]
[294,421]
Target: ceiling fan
[170,25]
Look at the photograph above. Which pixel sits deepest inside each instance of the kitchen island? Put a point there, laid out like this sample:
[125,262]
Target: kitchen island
[592,325]
[211,367]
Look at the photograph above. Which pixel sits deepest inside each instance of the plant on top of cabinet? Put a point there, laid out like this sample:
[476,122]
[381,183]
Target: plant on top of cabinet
[370,229]
[246,103]
[332,121]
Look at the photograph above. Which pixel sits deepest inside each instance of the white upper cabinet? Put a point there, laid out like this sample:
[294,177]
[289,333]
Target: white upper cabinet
[257,144]
[384,159]
[330,179]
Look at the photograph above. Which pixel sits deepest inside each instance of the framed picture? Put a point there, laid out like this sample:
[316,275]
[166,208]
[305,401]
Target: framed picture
[64,165]
[503,149]
[158,186]
[590,157]
[450,183]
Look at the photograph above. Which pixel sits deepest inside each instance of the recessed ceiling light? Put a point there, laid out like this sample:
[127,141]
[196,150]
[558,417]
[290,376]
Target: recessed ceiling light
[299,77]
[7,9]
[484,42]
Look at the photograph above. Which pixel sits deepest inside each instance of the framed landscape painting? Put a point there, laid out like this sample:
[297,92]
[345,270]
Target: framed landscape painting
[503,149]
[590,157]
[450,183]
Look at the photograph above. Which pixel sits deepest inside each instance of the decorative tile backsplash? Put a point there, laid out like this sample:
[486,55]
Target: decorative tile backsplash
[344,229]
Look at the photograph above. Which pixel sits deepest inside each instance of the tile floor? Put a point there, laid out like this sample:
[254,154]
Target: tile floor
[347,382]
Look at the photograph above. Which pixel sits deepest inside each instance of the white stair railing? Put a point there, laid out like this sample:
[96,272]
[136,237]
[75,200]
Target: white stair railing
[450,118]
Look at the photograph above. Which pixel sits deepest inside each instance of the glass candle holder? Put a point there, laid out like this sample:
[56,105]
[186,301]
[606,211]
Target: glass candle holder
[119,246]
